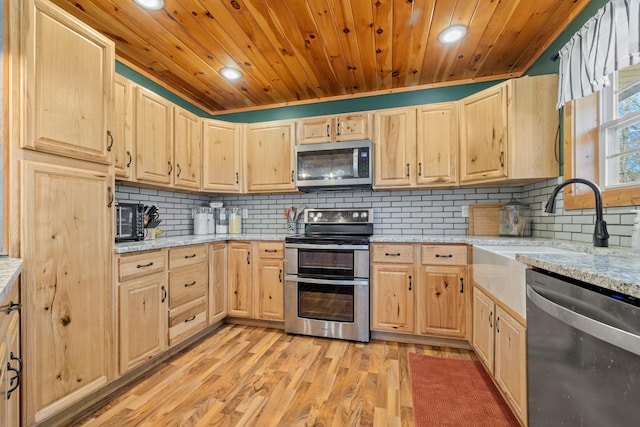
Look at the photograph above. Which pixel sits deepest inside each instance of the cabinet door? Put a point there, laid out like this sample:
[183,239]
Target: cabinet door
[441,301]
[187,149]
[12,368]
[143,324]
[483,322]
[217,282]
[483,135]
[67,291]
[270,288]
[69,85]
[269,154]
[392,290]
[395,147]
[316,129]
[511,360]
[123,128]
[437,144]
[239,280]
[221,156]
[350,127]
[154,137]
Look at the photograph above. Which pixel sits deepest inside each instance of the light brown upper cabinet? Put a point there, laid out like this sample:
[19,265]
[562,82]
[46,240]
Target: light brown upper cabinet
[69,70]
[187,149]
[269,149]
[123,154]
[153,138]
[343,127]
[510,131]
[221,156]
[416,147]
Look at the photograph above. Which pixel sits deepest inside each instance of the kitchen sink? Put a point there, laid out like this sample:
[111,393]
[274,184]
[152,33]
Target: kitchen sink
[495,269]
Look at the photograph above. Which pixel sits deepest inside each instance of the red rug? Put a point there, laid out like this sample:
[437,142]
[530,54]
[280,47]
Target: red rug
[455,393]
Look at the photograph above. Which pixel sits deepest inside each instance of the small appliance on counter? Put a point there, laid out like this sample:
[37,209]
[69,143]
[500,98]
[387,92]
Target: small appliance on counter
[129,222]
[201,220]
[515,219]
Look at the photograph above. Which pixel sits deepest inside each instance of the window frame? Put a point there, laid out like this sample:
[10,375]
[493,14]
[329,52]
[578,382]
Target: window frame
[581,129]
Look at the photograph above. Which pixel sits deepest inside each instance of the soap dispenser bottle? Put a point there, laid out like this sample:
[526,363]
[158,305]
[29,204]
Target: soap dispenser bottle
[635,234]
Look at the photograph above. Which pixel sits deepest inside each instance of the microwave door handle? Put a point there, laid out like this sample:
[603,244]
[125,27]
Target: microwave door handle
[355,163]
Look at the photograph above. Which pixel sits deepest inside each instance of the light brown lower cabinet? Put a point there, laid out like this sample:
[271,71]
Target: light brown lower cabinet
[143,303]
[217,282]
[11,366]
[499,339]
[256,280]
[420,289]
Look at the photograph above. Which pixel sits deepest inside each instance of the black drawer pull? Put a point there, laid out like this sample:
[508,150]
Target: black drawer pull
[186,285]
[444,256]
[271,251]
[144,265]
[190,319]
[189,256]
[388,254]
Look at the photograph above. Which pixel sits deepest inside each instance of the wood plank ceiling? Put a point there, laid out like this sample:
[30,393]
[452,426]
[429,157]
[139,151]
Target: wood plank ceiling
[298,51]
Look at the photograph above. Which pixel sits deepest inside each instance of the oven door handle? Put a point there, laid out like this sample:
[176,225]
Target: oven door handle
[297,279]
[325,247]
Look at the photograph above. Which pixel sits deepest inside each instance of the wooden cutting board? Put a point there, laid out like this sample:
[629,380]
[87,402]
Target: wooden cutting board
[484,220]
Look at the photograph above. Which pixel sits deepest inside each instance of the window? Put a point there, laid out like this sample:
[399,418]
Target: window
[620,130]
[602,143]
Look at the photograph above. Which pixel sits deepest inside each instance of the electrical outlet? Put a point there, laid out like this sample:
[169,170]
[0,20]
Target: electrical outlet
[543,204]
[465,211]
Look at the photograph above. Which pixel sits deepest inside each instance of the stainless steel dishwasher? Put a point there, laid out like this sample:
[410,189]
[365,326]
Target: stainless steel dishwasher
[583,354]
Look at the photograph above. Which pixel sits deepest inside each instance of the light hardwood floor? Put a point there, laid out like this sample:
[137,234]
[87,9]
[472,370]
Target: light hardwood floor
[252,376]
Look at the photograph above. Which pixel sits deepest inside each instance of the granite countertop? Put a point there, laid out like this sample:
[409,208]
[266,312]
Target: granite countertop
[10,269]
[613,268]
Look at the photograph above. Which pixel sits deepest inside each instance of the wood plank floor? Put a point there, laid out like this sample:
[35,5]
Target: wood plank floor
[252,376]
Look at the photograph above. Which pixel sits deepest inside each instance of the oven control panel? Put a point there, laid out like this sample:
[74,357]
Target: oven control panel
[338,216]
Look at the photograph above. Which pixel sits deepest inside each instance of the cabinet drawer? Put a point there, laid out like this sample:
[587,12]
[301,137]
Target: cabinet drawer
[187,320]
[187,284]
[392,253]
[140,264]
[271,250]
[187,255]
[444,254]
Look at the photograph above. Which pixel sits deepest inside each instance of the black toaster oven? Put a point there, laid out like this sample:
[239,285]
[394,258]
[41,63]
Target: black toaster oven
[129,222]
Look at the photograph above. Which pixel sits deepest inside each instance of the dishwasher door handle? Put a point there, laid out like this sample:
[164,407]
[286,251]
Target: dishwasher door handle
[602,331]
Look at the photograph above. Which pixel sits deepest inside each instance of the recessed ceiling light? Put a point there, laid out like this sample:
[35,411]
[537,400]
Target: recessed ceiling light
[150,4]
[452,34]
[230,73]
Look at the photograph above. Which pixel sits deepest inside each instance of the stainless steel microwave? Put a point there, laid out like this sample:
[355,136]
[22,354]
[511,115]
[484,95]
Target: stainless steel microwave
[334,166]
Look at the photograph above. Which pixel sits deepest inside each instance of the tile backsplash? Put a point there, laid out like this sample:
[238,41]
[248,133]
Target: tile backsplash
[424,212]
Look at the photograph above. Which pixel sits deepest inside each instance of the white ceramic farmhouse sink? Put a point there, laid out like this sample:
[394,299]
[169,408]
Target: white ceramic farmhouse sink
[495,269]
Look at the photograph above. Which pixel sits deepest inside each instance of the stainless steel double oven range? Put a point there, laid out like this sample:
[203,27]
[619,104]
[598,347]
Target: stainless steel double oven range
[327,275]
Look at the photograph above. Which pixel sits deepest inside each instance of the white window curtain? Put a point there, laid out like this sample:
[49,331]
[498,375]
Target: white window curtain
[607,42]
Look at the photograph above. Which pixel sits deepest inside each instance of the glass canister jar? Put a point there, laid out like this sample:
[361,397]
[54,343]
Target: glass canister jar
[235,221]
[201,220]
[515,219]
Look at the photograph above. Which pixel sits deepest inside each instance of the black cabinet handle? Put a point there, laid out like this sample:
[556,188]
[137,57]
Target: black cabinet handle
[328,131]
[179,169]
[144,265]
[164,294]
[280,276]
[18,375]
[293,176]
[110,136]
[388,254]
[130,159]
[444,256]
[420,169]
[111,197]
[410,282]
[190,319]
[502,159]
[189,256]
[498,324]
[188,285]
[8,308]
[170,168]
[237,178]
[249,258]
[490,319]
[271,251]
[462,285]
[408,171]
